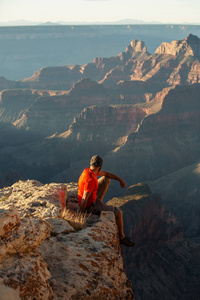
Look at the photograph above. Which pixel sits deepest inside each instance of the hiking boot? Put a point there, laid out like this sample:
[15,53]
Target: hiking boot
[125,241]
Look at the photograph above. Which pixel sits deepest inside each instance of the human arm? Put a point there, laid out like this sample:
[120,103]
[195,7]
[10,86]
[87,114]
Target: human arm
[84,200]
[113,176]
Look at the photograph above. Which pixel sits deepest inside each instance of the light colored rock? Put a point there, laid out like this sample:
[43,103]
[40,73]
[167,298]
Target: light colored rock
[7,293]
[41,256]
[88,264]
[8,219]
[28,276]
[5,193]
[60,226]
[24,238]
[138,46]
[35,200]
[188,46]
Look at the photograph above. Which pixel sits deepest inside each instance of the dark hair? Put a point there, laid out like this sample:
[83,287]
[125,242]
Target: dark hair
[96,161]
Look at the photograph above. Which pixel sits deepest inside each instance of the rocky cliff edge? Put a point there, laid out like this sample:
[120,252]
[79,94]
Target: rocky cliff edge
[43,257]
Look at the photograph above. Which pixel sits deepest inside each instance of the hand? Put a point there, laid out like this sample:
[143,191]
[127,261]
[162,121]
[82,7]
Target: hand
[122,183]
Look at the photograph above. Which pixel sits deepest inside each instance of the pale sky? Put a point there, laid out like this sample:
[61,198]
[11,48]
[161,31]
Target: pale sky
[165,11]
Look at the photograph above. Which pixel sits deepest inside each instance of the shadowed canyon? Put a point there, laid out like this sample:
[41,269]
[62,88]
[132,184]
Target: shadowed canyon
[141,113]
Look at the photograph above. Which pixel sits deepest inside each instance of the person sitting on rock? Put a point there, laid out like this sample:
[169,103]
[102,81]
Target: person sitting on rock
[92,190]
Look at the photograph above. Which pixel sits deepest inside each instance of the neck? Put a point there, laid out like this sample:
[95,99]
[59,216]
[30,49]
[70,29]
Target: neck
[95,170]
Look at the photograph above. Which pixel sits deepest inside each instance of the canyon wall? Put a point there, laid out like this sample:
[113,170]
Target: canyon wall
[26,49]
[141,113]
[165,141]
[161,69]
[180,194]
[163,264]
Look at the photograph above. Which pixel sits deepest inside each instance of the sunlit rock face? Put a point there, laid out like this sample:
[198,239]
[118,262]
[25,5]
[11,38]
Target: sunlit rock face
[175,63]
[189,46]
[106,124]
[44,113]
[65,77]
[43,257]
[165,141]
[63,122]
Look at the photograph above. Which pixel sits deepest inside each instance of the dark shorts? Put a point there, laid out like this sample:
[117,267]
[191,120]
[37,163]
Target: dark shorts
[98,206]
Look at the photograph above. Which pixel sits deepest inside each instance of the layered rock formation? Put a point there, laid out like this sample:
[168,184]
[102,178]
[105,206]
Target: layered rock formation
[16,102]
[189,46]
[47,112]
[164,68]
[34,47]
[91,126]
[44,113]
[107,124]
[144,74]
[42,257]
[165,141]
[175,63]
[146,155]
[145,125]
[163,265]
[180,194]
[13,103]
[65,77]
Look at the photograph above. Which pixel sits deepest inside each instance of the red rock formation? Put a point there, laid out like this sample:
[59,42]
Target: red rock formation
[101,127]
[63,78]
[109,116]
[180,109]
[189,46]
[175,63]
[165,141]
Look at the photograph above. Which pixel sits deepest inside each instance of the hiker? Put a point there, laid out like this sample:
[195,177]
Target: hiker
[91,192]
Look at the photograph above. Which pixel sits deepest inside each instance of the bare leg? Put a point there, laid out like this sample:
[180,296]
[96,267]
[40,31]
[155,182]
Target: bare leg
[119,221]
[103,187]
[123,239]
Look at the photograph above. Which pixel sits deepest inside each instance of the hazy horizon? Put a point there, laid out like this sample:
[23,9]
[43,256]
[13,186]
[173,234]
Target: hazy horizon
[100,11]
[118,22]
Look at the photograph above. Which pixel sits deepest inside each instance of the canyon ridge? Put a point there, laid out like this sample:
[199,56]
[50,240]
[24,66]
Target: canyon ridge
[140,112]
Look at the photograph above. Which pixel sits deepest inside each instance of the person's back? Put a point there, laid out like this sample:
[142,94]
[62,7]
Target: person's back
[87,182]
[89,187]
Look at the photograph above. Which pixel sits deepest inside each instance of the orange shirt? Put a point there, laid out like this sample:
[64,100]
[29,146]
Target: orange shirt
[88,182]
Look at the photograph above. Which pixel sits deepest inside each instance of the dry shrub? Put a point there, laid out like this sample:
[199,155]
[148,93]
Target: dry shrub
[76,219]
